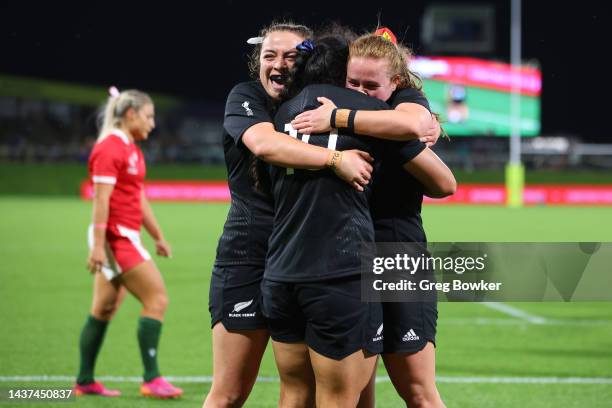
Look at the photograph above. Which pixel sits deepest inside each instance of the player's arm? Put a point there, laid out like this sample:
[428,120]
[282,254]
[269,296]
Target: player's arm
[408,121]
[152,226]
[248,121]
[431,171]
[101,200]
[283,150]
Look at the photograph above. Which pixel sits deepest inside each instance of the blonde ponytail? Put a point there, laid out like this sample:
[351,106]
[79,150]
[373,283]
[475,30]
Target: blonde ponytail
[116,107]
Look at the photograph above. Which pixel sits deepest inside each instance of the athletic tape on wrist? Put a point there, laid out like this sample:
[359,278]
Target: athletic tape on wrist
[351,121]
[342,118]
[332,119]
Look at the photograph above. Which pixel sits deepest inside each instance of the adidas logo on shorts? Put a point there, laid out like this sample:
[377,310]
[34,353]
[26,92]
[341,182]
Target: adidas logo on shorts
[379,335]
[241,306]
[410,336]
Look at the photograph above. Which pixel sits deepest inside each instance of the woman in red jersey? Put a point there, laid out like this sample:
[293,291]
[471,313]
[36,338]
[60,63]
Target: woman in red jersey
[117,257]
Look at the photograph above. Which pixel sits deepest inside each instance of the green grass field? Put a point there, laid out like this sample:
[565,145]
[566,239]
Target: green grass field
[485,358]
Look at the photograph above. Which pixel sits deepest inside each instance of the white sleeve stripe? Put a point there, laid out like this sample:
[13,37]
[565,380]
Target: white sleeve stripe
[104,179]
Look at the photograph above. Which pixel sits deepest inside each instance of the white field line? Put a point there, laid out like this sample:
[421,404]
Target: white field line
[514,312]
[485,321]
[381,379]
[524,380]
[523,318]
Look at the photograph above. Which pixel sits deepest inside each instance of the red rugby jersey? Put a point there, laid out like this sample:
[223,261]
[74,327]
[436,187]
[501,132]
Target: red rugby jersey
[115,160]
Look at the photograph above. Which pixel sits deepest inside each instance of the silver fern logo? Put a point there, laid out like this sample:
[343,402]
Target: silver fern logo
[378,336]
[241,306]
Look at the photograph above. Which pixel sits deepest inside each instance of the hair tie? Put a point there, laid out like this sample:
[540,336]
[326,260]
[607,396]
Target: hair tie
[387,34]
[305,46]
[113,92]
[255,40]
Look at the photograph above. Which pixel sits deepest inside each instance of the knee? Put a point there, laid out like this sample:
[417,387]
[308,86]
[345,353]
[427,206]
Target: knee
[422,397]
[297,396]
[162,302]
[226,398]
[105,311]
[234,400]
[297,401]
[157,304]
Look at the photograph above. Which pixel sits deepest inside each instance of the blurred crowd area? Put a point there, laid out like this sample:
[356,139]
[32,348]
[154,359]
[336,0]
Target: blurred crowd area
[42,131]
[34,131]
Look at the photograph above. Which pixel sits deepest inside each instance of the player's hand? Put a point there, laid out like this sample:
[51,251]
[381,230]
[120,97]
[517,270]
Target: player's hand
[433,133]
[96,259]
[355,168]
[316,120]
[162,248]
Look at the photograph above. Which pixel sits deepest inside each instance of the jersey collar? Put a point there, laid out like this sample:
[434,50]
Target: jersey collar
[122,135]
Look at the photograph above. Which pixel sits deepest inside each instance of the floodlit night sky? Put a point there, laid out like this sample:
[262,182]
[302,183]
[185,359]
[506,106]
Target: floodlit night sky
[198,52]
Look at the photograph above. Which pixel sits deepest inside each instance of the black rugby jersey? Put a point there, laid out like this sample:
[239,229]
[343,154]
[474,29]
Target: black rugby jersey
[397,196]
[320,221]
[249,222]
